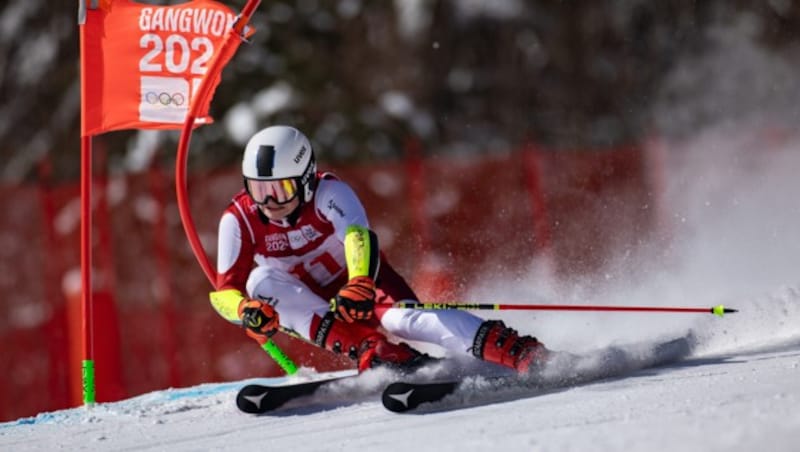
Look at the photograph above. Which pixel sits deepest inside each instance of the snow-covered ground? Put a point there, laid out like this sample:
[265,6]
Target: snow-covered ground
[733,215]
[734,401]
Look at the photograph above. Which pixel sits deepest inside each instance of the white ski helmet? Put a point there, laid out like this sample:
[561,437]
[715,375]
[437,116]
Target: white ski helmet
[279,163]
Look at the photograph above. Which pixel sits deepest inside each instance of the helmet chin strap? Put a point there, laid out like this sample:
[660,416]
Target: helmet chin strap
[294,215]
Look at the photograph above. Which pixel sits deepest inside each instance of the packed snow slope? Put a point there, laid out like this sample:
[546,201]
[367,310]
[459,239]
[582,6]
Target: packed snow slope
[741,401]
[731,235]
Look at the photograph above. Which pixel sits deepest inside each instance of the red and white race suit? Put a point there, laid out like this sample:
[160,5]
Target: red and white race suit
[299,266]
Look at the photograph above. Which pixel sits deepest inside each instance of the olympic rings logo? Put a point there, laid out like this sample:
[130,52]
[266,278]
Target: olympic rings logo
[164,98]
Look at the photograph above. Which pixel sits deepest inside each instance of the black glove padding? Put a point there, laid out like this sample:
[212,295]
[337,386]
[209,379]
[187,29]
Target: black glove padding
[259,318]
[356,299]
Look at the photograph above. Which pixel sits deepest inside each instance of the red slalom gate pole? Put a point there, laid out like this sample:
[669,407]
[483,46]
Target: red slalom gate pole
[215,68]
[719,310]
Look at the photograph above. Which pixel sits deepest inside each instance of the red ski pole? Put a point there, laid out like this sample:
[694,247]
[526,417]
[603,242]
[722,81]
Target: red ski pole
[719,310]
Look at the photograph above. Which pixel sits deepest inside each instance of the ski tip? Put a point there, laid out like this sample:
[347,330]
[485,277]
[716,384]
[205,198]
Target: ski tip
[721,310]
[249,399]
[396,397]
[401,397]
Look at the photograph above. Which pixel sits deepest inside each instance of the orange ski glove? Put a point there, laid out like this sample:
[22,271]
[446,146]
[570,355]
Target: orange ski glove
[259,319]
[356,299]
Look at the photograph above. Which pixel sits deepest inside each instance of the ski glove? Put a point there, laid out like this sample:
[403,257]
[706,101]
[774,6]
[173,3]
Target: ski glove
[258,318]
[356,299]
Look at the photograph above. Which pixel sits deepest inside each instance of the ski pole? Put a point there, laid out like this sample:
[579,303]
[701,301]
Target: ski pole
[226,304]
[719,310]
[280,357]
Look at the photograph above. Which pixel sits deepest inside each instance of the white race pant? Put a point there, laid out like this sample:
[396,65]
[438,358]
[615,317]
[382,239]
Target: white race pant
[297,305]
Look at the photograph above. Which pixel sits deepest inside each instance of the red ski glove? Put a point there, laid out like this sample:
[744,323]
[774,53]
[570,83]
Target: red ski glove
[258,318]
[356,299]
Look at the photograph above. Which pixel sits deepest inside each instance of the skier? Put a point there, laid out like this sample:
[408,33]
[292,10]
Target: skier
[295,252]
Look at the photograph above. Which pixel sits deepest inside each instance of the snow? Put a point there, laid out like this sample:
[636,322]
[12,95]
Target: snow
[738,401]
[735,241]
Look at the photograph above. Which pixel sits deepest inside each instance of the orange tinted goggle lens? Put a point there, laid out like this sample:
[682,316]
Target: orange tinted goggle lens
[281,191]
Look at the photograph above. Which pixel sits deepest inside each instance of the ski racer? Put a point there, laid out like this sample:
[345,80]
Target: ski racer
[295,251]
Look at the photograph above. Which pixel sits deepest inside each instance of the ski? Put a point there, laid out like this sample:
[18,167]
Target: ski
[402,396]
[259,399]
[566,370]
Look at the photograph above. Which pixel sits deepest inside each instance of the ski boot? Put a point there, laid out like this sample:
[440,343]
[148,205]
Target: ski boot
[496,343]
[367,347]
[377,351]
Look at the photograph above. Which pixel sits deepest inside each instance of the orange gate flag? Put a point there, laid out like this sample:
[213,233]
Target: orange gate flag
[143,63]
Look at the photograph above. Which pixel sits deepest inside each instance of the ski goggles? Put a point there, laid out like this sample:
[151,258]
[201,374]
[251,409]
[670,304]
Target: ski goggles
[281,191]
